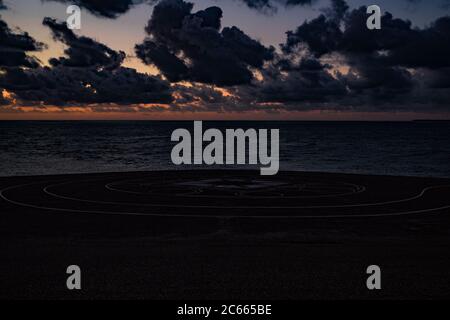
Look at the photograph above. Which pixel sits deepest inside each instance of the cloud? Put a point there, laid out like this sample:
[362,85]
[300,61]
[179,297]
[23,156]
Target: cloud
[444,4]
[192,47]
[14,47]
[91,73]
[332,62]
[114,8]
[306,81]
[105,9]
[396,44]
[61,86]
[398,66]
[202,97]
[82,52]
[271,5]
[439,79]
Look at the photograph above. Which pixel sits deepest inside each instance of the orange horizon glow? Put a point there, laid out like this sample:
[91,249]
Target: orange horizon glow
[82,114]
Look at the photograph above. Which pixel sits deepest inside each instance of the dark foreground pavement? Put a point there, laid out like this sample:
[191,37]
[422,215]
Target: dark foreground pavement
[224,235]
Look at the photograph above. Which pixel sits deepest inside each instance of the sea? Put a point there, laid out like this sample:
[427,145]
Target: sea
[416,148]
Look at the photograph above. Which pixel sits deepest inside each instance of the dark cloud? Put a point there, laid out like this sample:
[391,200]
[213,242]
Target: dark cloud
[439,79]
[378,81]
[203,97]
[444,4]
[271,5]
[191,46]
[417,48]
[81,51]
[105,8]
[306,81]
[13,52]
[114,8]
[401,44]
[168,63]
[397,64]
[321,35]
[62,86]
[332,62]
[91,73]
[14,47]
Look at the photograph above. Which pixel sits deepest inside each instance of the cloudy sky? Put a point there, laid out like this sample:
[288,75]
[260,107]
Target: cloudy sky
[227,59]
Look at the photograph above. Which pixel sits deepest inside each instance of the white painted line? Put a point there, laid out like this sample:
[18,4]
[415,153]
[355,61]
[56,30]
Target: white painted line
[3,196]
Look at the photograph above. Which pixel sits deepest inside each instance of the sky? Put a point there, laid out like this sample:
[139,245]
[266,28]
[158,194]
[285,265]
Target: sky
[229,59]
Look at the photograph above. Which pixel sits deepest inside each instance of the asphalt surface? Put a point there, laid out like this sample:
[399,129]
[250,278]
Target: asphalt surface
[224,235]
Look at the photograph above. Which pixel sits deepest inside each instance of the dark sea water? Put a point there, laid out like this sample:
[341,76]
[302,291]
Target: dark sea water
[392,148]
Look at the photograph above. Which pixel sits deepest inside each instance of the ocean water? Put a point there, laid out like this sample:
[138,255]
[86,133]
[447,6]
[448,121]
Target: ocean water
[387,148]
